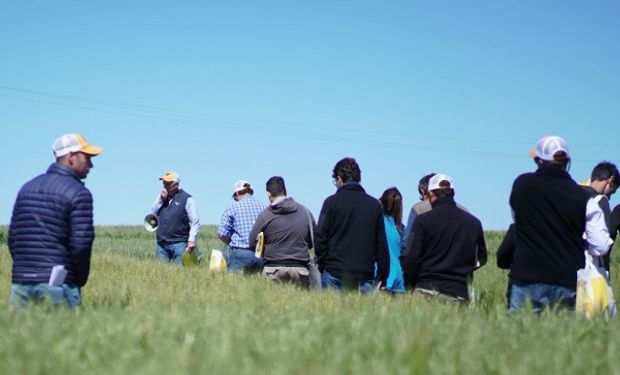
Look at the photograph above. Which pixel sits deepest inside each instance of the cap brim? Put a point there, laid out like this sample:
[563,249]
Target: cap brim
[92,150]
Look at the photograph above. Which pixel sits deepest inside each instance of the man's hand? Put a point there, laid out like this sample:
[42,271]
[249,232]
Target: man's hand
[163,195]
[191,245]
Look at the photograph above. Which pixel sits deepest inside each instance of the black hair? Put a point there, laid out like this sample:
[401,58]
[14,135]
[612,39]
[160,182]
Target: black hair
[443,193]
[275,186]
[604,170]
[348,170]
[423,185]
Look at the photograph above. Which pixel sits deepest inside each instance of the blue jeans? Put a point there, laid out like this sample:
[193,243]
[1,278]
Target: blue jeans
[68,295]
[541,296]
[329,281]
[172,251]
[244,260]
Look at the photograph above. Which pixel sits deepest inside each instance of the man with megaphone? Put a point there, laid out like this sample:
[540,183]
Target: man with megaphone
[176,221]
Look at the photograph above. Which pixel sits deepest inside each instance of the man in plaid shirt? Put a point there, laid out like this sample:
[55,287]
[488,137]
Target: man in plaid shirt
[235,226]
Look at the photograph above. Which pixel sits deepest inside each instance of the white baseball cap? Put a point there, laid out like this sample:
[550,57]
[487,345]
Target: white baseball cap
[547,147]
[240,185]
[438,180]
[73,143]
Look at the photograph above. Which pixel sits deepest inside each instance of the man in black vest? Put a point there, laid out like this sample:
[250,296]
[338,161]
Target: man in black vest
[178,220]
[551,214]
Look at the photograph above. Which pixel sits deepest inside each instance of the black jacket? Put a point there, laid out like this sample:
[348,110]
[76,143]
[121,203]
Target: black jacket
[52,224]
[444,249]
[550,216]
[350,235]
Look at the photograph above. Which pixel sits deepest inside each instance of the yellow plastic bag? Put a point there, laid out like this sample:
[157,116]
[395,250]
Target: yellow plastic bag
[594,295]
[217,262]
[190,258]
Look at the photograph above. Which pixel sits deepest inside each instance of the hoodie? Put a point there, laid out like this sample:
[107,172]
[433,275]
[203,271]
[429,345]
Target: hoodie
[286,226]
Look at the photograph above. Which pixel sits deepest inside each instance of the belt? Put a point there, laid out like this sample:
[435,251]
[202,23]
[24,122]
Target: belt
[240,248]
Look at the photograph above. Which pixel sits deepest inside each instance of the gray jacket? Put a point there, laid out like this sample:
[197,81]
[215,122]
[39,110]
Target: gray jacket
[286,226]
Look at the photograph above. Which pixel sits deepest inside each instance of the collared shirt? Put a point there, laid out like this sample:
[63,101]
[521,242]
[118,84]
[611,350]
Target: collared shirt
[597,237]
[238,219]
[192,214]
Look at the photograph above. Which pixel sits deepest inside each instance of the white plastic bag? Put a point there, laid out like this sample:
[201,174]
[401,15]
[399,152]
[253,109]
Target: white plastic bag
[594,294]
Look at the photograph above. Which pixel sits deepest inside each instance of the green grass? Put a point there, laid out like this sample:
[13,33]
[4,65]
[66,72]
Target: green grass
[140,316]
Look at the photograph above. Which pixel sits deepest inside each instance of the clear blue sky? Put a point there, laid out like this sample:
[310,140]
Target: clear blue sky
[221,91]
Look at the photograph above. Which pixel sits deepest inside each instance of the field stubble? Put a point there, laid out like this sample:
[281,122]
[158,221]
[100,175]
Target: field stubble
[142,316]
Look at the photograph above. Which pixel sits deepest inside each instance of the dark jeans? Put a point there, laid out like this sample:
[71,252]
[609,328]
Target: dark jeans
[329,281]
[541,296]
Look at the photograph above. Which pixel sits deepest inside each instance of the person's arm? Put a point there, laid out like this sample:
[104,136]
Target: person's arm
[156,206]
[383,254]
[225,230]
[82,235]
[506,249]
[615,222]
[598,241]
[415,252]
[481,249]
[321,234]
[194,222]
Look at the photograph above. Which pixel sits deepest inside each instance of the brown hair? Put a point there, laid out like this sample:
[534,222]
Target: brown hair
[392,202]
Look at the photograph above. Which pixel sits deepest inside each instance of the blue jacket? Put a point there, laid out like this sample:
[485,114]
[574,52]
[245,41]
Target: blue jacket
[52,224]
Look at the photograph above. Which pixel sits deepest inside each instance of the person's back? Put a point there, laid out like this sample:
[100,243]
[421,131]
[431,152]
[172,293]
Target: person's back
[350,235]
[353,222]
[550,216]
[553,215]
[286,226]
[447,247]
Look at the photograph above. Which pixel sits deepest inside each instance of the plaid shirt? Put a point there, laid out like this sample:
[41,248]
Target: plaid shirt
[238,219]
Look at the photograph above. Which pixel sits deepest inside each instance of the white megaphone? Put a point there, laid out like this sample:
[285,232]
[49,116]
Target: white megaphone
[151,222]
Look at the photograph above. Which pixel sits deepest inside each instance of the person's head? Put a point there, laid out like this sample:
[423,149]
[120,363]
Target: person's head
[604,178]
[171,181]
[241,188]
[423,185]
[275,187]
[346,170]
[74,151]
[392,203]
[553,151]
[440,186]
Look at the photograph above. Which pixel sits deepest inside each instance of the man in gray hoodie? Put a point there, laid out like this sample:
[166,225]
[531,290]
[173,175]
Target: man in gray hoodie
[287,227]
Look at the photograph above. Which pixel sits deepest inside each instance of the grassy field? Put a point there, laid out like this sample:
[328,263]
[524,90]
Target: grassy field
[140,316]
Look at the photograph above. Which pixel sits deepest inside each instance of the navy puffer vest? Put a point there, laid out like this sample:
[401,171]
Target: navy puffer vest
[173,219]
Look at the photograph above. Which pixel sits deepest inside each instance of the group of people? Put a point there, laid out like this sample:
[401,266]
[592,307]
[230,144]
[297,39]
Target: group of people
[359,242]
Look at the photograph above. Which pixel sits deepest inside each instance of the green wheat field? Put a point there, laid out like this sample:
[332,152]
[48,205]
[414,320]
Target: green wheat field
[140,316]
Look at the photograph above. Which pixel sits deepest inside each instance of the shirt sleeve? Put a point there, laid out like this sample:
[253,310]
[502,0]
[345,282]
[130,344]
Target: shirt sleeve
[598,241]
[194,221]
[226,224]
[156,206]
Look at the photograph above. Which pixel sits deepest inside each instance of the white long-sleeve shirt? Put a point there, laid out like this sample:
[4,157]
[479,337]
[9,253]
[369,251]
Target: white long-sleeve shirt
[597,237]
[192,214]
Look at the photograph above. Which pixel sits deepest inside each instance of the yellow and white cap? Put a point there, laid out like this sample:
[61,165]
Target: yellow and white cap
[170,176]
[74,143]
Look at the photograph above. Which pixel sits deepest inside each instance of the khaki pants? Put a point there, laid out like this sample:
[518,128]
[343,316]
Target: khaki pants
[442,297]
[294,275]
